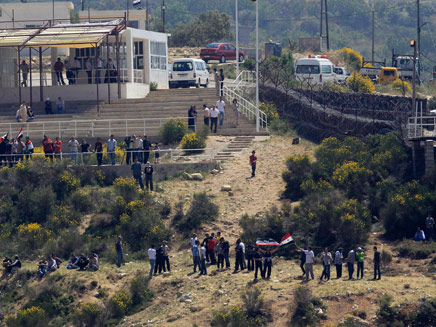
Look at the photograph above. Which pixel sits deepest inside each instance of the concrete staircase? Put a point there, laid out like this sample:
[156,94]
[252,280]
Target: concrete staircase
[235,146]
[158,105]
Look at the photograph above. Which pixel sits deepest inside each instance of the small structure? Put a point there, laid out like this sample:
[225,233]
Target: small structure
[104,60]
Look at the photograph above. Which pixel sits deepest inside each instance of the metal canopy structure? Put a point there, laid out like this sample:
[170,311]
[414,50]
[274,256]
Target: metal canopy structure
[84,35]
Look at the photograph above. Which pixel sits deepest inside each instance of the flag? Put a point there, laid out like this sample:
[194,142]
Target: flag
[5,136]
[20,134]
[136,2]
[286,239]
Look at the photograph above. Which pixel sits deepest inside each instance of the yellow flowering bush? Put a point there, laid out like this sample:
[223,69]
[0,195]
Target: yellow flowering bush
[86,314]
[120,304]
[361,84]
[173,130]
[31,317]
[32,234]
[67,183]
[401,86]
[270,110]
[310,186]
[351,176]
[192,141]
[353,59]
[134,206]
[126,187]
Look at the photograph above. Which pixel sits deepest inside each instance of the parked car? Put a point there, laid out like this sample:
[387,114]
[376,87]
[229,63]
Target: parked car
[341,74]
[220,52]
[315,70]
[188,72]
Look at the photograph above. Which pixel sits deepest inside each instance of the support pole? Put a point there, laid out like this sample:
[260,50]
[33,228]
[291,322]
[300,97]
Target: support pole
[414,78]
[418,23]
[41,71]
[237,37]
[327,26]
[30,76]
[117,48]
[108,70]
[163,16]
[98,99]
[373,34]
[257,68]
[320,25]
[147,8]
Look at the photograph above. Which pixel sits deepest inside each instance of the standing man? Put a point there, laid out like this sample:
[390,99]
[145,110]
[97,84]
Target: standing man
[148,170]
[146,145]
[216,78]
[221,81]
[99,67]
[203,270]
[338,262]
[88,66]
[47,145]
[48,106]
[73,145]
[429,226]
[152,258]
[350,263]
[204,243]
[98,149]
[111,147]
[192,114]
[77,67]
[309,262]
[196,255]
[326,260]
[206,115]
[58,148]
[214,113]
[253,162]
[221,105]
[211,249]
[165,259]
[60,106]
[376,264]
[226,247]
[119,250]
[136,170]
[24,71]
[239,256]
[360,254]
[28,149]
[303,262]
[58,68]
[258,262]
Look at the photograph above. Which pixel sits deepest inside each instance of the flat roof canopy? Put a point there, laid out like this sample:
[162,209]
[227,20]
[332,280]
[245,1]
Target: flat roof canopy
[84,35]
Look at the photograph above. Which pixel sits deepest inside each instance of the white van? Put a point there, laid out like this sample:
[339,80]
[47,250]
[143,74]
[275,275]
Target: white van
[188,72]
[315,70]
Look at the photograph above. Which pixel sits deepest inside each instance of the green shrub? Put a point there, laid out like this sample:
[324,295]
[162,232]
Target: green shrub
[126,188]
[402,86]
[361,84]
[386,258]
[249,64]
[416,250]
[192,141]
[88,315]
[153,86]
[425,315]
[305,312]
[280,127]
[388,315]
[173,130]
[353,60]
[299,169]
[81,201]
[202,209]
[139,290]
[120,304]
[30,317]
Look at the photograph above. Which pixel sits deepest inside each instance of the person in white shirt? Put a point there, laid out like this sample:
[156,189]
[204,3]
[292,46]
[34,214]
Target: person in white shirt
[99,67]
[206,115]
[111,146]
[309,261]
[221,105]
[243,255]
[152,258]
[88,66]
[203,270]
[73,145]
[214,113]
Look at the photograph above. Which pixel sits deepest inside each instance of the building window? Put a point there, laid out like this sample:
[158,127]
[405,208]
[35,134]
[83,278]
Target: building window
[138,58]
[158,55]
[133,24]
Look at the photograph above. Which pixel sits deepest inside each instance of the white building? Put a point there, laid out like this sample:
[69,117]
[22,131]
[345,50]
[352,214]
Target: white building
[142,56]
[136,18]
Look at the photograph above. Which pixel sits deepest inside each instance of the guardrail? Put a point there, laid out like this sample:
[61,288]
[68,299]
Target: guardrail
[246,108]
[244,76]
[120,157]
[419,127]
[95,127]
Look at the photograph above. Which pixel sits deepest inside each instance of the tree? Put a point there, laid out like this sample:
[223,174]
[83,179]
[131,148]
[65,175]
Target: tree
[200,32]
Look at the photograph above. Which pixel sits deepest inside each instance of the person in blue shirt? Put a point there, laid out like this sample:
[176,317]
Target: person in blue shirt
[73,262]
[419,235]
[137,173]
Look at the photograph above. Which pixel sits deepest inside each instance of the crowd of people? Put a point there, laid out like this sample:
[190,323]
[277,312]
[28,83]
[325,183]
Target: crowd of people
[420,236]
[92,66]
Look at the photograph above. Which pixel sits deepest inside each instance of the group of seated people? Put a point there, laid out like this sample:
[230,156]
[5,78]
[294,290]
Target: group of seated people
[81,262]
[11,266]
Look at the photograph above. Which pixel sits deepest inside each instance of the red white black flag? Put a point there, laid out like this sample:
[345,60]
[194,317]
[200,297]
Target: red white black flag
[136,2]
[286,239]
[20,134]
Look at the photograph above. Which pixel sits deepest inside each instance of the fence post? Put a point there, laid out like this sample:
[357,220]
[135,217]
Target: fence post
[127,129]
[144,128]
[92,129]
[59,132]
[171,154]
[43,129]
[75,128]
[110,127]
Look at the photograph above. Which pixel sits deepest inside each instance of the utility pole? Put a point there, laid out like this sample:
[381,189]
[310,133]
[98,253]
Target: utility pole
[413,45]
[83,4]
[257,68]
[323,13]
[418,23]
[163,16]
[146,14]
[320,25]
[373,33]
[237,38]
[327,26]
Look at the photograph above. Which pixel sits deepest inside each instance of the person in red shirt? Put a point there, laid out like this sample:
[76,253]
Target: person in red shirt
[47,144]
[253,161]
[211,249]
[58,148]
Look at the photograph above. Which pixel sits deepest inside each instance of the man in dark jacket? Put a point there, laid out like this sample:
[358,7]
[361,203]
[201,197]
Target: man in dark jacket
[148,170]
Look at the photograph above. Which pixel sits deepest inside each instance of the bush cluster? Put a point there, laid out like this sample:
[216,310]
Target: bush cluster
[353,60]
[173,130]
[306,313]
[361,84]
[193,141]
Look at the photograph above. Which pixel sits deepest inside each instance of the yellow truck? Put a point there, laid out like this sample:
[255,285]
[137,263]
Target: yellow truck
[384,75]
